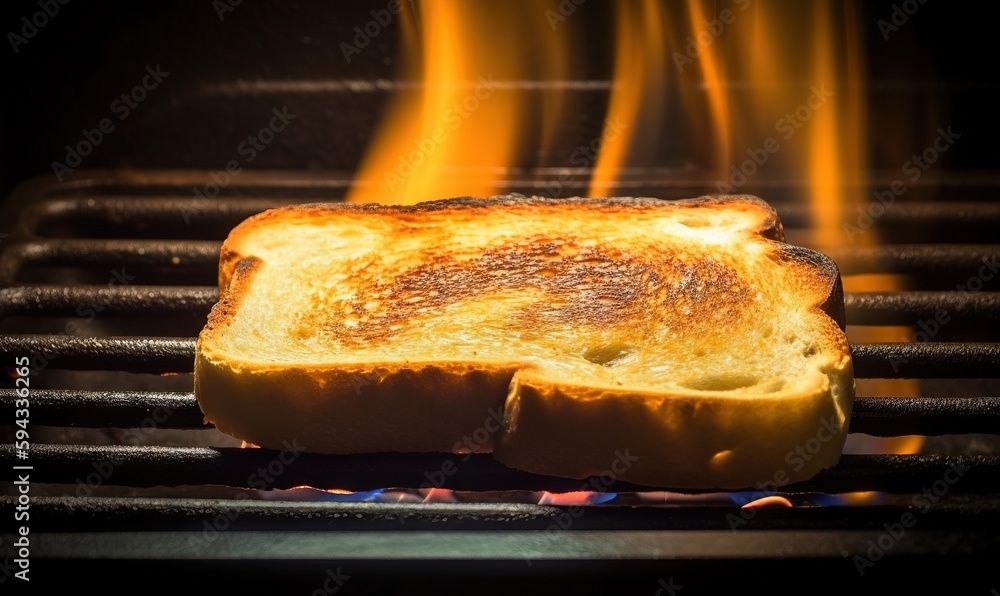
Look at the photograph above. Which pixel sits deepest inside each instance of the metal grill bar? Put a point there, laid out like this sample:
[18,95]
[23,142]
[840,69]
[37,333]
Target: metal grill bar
[878,416]
[588,545]
[902,308]
[926,360]
[916,258]
[155,355]
[264,468]
[204,253]
[176,354]
[899,258]
[55,514]
[156,211]
[895,416]
[487,563]
[863,308]
[114,254]
[120,300]
[957,214]
[111,409]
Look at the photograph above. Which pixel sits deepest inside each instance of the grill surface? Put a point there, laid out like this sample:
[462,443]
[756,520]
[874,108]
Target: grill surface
[112,273]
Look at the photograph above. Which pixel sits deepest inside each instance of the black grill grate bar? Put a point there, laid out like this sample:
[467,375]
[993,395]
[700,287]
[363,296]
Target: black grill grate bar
[863,308]
[917,259]
[926,360]
[160,210]
[903,308]
[44,300]
[920,360]
[877,416]
[264,468]
[55,514]
[161,213]
[111,409]
[942,213]
[929,416]
[144,252]
[891,258]
[114,254]
[156,355]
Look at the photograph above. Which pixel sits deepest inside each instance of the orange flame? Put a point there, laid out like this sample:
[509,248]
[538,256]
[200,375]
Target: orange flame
[768,501]
[422,149]
[766,89]
[781,90]
[471,113]
[640,91]
[838,158]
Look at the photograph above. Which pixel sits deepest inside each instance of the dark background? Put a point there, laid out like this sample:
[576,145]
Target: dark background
[226,75]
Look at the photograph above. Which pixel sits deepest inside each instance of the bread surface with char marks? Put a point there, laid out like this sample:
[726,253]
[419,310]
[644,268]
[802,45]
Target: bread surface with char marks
[686,334]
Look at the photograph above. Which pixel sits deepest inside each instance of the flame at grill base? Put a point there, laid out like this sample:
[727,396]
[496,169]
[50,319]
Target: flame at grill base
[749,500]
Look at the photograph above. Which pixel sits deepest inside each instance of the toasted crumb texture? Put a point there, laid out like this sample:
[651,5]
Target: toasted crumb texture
[557,333]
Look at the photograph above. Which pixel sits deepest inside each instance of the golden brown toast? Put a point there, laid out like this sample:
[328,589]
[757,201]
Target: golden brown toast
[684,334]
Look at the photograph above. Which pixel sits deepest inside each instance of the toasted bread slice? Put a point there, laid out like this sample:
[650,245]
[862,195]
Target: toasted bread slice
[683,338]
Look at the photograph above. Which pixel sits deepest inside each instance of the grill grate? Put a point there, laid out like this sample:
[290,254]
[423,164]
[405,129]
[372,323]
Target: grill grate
[69,241]
[876,416]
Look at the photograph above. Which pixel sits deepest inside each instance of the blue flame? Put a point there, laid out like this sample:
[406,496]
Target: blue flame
[602,498]
[315,494]
[359,497]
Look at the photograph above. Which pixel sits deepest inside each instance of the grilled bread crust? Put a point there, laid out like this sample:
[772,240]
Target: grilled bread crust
[684,338]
